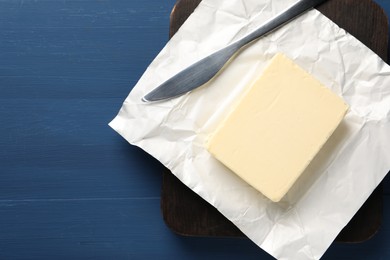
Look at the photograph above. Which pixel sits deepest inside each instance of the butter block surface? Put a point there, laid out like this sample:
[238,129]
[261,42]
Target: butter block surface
[278,126]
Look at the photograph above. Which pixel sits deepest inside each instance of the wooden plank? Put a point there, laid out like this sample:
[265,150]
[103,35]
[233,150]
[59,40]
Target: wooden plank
[56,121]
[187,214]
[77,172]
[78,49]
[131,229]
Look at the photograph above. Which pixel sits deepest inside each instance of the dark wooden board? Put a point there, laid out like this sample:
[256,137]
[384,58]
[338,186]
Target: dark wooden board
[188,214]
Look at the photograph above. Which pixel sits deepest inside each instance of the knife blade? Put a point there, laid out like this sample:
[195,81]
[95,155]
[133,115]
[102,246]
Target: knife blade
[205,69]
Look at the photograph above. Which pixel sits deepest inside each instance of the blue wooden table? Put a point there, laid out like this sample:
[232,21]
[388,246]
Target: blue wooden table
[70,187]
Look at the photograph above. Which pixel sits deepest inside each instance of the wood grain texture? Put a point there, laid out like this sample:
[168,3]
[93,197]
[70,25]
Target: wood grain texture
[188,214]
[70,187]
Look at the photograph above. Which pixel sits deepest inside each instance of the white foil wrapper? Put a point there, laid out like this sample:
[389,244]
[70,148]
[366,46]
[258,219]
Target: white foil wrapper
[340,178]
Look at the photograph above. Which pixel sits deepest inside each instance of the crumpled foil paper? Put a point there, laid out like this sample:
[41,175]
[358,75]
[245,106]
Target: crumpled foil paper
[340,178]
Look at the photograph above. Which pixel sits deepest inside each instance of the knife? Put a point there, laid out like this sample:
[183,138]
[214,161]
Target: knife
[203,70]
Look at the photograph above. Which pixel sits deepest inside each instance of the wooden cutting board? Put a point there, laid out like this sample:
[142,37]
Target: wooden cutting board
[188,214]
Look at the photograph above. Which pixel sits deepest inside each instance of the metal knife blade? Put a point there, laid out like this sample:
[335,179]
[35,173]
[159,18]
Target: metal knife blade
[202,71]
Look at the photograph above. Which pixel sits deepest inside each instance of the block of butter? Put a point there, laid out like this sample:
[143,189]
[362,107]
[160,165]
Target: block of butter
[278,126]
